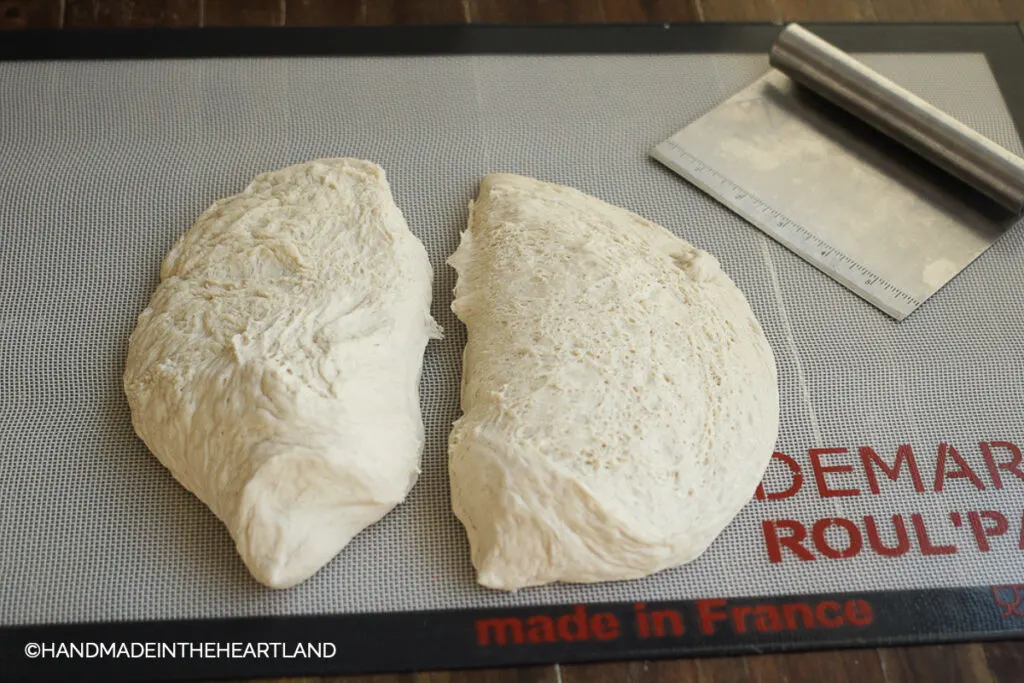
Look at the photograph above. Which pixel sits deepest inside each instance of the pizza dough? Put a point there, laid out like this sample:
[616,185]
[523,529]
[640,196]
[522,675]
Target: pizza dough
[619,397]
[276,370]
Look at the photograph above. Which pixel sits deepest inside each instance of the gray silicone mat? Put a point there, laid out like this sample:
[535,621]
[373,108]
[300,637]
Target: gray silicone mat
[105,164]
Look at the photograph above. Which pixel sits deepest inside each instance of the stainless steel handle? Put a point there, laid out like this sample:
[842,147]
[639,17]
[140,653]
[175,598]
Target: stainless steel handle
[928,131]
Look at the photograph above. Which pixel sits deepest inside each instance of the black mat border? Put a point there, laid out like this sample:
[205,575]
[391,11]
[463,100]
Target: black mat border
[447,639]
[406,641]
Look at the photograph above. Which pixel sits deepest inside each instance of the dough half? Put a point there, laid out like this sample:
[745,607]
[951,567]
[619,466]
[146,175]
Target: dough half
[276,370]
[619,397]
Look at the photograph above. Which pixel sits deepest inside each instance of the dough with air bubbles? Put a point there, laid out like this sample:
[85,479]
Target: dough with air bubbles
[619,397]
[276,370]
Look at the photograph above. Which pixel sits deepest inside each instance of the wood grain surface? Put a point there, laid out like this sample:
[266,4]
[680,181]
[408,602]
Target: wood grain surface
[996,662]
[139,13]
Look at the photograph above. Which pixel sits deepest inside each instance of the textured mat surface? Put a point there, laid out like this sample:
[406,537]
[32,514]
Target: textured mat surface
[106,164]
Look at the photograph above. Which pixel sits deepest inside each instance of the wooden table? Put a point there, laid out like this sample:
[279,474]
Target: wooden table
[995,662]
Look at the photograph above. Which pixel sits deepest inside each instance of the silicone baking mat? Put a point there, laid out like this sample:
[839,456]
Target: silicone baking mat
[892,511]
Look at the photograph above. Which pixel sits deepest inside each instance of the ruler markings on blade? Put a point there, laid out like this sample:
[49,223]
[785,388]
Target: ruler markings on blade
[803,242]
